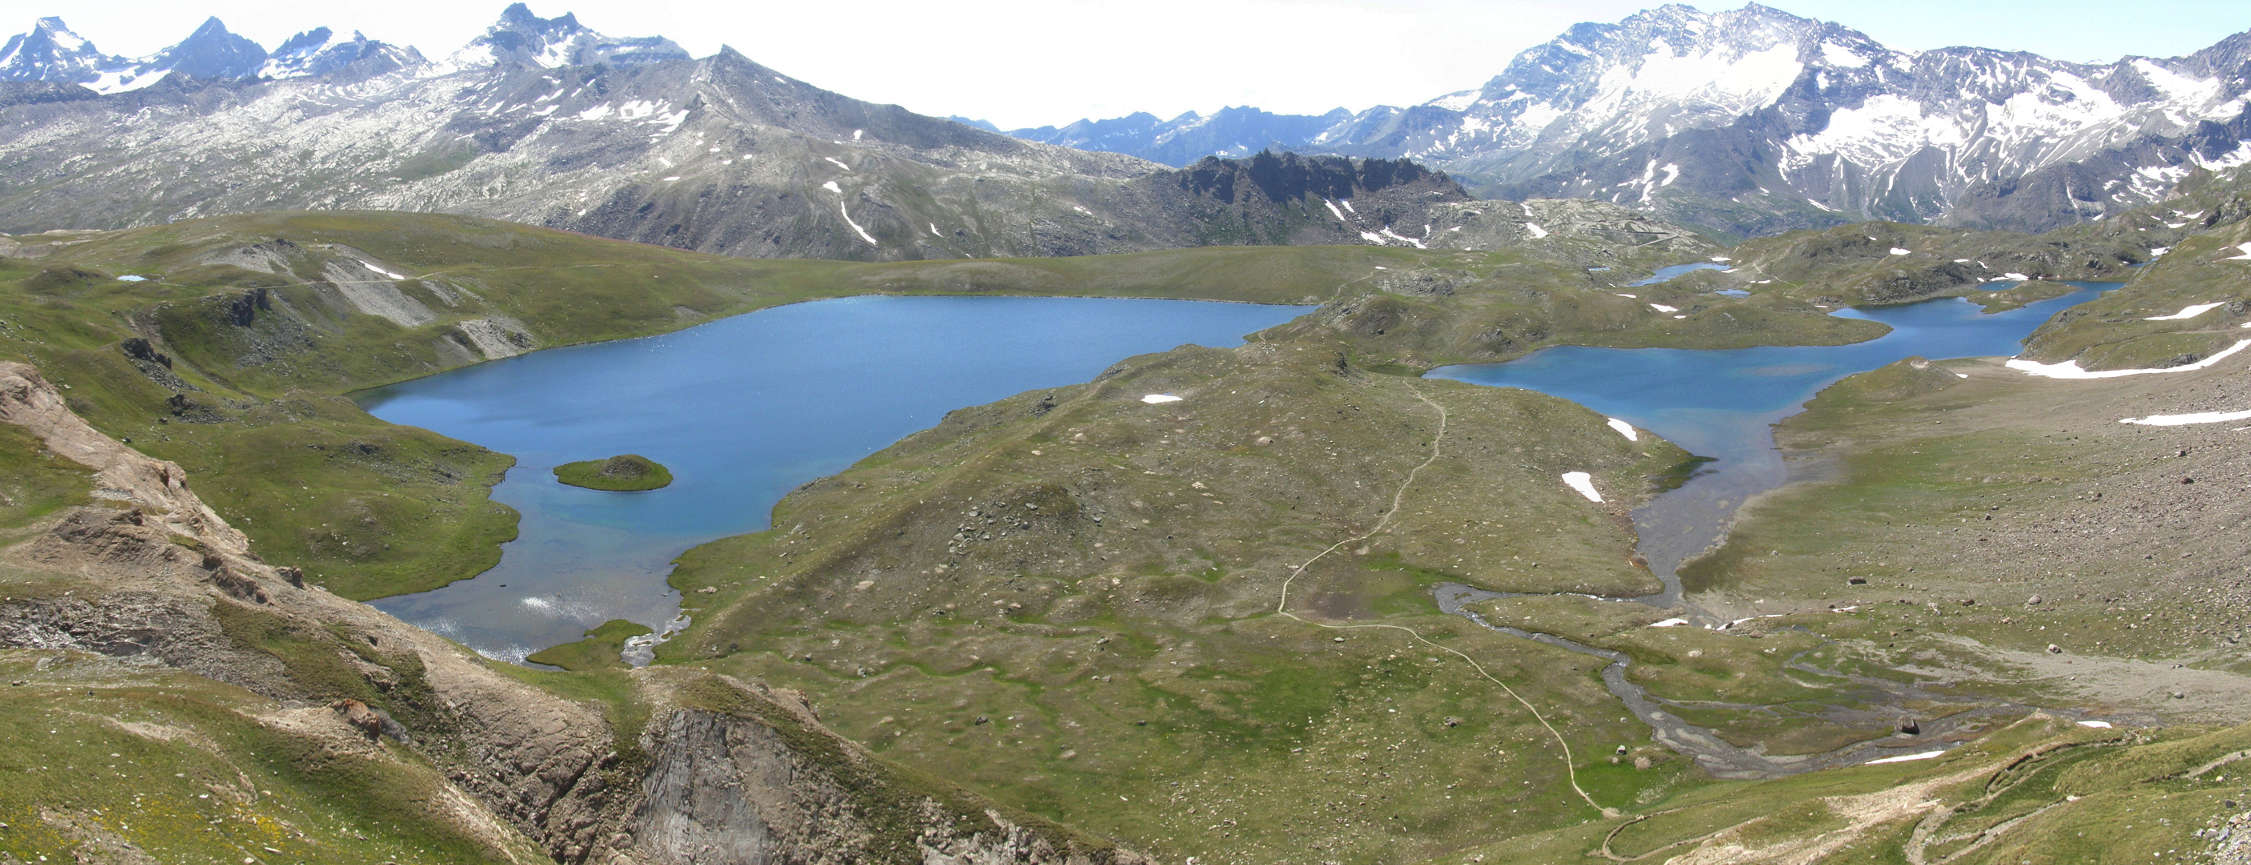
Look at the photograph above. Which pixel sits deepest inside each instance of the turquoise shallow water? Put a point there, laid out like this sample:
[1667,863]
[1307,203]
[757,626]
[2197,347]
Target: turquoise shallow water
[742,410]
[1723,404]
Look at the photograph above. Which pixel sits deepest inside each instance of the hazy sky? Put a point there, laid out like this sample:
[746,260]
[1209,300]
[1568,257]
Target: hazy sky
[1032,62]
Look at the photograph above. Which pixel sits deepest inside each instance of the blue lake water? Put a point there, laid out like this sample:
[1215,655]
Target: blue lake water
[1668,274]
[742,410]
[1723,404]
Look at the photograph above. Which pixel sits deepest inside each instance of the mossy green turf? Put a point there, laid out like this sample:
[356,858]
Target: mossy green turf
[182,769]
[622,473]
[34,481]
[1111,633]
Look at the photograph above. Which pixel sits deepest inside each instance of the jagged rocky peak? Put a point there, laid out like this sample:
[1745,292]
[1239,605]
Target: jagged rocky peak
[49,51]
[1283,177]
[523,37]
[213,52]
[320,51]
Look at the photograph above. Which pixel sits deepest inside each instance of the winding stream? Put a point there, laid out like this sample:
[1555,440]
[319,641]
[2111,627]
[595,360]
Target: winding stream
[1723,404]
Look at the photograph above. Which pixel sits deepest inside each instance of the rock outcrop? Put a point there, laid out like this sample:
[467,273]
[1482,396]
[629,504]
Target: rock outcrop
[721,771]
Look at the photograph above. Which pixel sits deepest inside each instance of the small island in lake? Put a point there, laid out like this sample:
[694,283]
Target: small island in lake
[622,473]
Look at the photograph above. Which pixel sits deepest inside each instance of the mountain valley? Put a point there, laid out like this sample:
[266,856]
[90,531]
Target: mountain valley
[1309,598]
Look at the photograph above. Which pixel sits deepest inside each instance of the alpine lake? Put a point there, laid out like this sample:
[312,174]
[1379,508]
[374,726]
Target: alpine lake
[745,409]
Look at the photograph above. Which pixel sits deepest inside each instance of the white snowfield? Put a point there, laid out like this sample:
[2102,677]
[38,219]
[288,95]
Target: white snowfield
[2070,369]
[864,235]
[1159,398]
[2189,312]
[1583,484]
[2202,417]
[1898,251]
[1663,308]
[371,266]
[2246,256]
[1625,429]
[1903,758]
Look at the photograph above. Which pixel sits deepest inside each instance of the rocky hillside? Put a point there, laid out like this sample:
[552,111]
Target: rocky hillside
[545,122]
[1753,121]
[258,682]
[1285,199]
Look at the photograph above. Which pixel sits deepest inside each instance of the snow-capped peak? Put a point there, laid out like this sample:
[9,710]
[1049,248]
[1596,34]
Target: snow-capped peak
[522,37]
[51,52]
[212,51]
[320,51]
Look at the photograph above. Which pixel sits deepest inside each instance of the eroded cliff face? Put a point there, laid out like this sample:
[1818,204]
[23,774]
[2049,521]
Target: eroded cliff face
[723,787]
[150,581]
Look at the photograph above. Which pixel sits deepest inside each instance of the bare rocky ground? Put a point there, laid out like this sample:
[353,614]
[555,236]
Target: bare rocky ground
[2020,519]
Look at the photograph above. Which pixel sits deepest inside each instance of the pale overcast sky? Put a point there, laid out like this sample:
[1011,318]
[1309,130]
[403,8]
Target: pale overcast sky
[1032,62]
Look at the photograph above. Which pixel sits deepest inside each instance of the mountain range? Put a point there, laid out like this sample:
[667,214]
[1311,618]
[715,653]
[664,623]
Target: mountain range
[544,121]
[50,52]
[1739,123]
[1754,120]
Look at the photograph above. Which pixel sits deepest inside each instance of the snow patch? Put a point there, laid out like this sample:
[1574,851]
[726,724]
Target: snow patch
[1583,484]
[2070,369]
[1898,251]
[1455,101]
[833,161]
[1833,54]
[1387,232]
[369,265]
[1159,398]
[1904,758]
[1624,429]
[832,187]
[2097,725]
[1663,308]
[132,278]
[864,235]
[1673,622]
[1533,227]
[2202,417]
[1333,211]
[2188,312]
[2246,256]
[856,133]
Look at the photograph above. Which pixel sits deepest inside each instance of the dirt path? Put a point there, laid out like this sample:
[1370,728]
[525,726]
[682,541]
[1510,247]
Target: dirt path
[1282,606]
